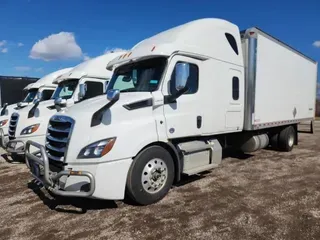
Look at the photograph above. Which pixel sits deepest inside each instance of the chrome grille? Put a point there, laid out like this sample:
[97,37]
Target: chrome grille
[58,135]
[13,125]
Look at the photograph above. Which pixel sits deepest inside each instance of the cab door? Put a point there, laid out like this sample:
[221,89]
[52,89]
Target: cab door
[183,116]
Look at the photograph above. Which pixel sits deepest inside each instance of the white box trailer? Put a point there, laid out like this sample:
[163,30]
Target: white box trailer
[280,83]
[175,101]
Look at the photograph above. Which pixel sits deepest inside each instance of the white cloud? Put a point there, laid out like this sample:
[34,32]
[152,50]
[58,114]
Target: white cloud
[20,44]
[22,68]
[38,69]
[110,50]
[316,44]
[58,46]
[4,50]
[2,43]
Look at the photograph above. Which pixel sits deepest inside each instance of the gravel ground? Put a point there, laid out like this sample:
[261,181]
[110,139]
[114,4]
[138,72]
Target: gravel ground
[266,195]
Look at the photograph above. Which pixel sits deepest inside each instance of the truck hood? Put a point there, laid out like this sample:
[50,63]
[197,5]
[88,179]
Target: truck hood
[92,105]
[42,115]
[117,121]
[9,110]
[43,104]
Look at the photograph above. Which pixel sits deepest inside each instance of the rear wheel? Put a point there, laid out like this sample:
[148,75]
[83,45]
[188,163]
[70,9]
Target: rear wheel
[150,176]
[287,137]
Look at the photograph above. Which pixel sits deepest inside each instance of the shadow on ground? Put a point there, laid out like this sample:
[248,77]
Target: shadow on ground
[63,204]
[14,158]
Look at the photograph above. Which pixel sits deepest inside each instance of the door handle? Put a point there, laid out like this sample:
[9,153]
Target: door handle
[199,121]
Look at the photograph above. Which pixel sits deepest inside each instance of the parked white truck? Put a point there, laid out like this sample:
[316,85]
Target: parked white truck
[173,104]
[86,80]
[41,90]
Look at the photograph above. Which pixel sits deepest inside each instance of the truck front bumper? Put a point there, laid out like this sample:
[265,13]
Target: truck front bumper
[15,147]
[11,146]
[102,180]
[18,145]
[40,170]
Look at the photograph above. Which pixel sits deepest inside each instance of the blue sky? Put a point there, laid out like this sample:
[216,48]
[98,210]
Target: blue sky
[91,27]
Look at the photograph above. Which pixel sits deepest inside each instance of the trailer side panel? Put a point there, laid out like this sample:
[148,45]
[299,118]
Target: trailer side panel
[285,85]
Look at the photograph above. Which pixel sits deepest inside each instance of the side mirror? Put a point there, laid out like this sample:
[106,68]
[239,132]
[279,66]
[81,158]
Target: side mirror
[181,77]
[113,95]
[182,74]
[60,102]
[82,90]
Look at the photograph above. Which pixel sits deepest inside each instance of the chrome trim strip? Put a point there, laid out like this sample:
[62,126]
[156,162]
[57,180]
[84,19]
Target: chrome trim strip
[250,84]
[279,123]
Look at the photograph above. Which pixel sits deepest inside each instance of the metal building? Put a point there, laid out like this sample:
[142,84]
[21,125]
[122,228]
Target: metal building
[11,88]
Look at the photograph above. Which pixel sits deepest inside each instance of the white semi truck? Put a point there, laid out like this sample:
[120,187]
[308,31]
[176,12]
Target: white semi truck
[41,90]
[86,80]
[173,104]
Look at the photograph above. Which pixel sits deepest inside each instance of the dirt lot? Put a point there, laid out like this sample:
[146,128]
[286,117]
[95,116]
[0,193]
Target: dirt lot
[268,195]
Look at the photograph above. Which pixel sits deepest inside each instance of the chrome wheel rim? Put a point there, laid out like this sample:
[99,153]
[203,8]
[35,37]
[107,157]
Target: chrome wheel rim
[154,175]
[291,141]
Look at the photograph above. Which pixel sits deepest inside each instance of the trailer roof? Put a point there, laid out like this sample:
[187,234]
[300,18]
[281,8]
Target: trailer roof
[267,35]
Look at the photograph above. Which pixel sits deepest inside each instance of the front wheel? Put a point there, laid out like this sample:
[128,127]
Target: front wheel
[150,176]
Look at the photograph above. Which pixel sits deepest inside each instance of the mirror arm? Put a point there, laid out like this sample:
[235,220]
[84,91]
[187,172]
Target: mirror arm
[33,110]
[3,111]
[97,116]
[172,98]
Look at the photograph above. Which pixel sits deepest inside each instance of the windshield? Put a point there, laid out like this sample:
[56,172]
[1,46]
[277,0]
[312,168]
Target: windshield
[142,76]
[65,89]
[31,95]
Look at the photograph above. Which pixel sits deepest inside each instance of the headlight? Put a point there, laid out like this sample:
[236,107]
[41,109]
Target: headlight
[97,149]
[30,129]
[3,122]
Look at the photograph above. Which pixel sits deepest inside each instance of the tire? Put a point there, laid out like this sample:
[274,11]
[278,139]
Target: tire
[153,162]
[287,137]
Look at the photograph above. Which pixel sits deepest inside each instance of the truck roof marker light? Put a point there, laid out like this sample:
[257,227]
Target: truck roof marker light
[251,33]
[153,48]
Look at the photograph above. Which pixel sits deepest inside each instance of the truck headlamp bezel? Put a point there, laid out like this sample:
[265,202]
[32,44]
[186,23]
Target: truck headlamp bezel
[30,129]
[97,149]
[3,122]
